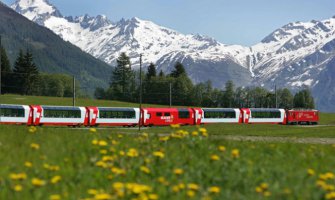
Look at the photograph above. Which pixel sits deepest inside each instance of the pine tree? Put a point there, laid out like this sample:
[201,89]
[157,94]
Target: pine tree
[304,99]
[6,72]
[151,71]
[228,95]
[178,71]
[122,78]
[26,74]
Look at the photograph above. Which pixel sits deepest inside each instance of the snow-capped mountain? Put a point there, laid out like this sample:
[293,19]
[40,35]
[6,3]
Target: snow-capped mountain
[295,55]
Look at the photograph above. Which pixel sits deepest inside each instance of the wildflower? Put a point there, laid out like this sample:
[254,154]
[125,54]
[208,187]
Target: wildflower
[101,164]
[330,195]
[102,196]
[310,172]
[235,153]
[194,133]
[215,157]
[92,191]
[103,151]
[102,143]
[20,176]
[17,188]
[55,179]
[132,153]
[222,148]
[55,197]
[175,189]
[122,153]
[175,125]
[107,158]
[204,134]
[202,130]
[93,130]
[28,164]
[120,136]
[162,180]
[259,190]
[32,129]
[145,169]
[164,138]
[158,154]
[264,186]
[153,196]
[145,135]
[178,171]
[267,193]
[193,186]
[118,185]
[190,193]
[118,171]
[34,146]
[95,142]
[37,182]
[214,190]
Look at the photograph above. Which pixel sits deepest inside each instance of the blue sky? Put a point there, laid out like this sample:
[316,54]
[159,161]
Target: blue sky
[243,22]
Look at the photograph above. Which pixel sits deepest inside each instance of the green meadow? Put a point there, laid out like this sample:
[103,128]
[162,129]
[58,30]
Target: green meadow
[186,162]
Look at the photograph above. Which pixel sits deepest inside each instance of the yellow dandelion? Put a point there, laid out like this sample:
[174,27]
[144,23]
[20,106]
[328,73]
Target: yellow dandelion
[178,171]
[102,143]
[310,172]
[202,130]
[158,154]
[103,151]
[258,189]
[55,197]
[193,186]
[19,176]
[190,193]
[153,196]
[34,146]
[92,191]
[330,195]
[175,125]
[18,188]
[145,169]
[55,179]
[120,136]
[235,153]
[95,142]
[267,193]
[164,138]
[264,186]
[214,190]
[195,133]
[132,153]
[102,196]
[175,189]
[222,148]
[93,130]
[32,129]
[37,182]
[118,185]
[215,157]
[28,164]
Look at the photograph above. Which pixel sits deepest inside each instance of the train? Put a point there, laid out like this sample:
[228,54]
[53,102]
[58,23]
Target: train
[92,116]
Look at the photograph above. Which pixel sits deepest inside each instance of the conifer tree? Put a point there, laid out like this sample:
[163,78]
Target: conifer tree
[178,71]
[151,71]
[6,72]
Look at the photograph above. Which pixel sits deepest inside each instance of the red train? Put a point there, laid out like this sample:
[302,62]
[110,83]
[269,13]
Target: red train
[38,115]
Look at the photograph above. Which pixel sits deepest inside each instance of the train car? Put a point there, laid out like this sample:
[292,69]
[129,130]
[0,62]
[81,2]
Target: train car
[59,115]
[108,116]
[264,115]
[302,117]
[221,115]
[168,116]
[15,114]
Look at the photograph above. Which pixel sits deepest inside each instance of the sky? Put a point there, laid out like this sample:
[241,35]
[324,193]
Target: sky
[244,22]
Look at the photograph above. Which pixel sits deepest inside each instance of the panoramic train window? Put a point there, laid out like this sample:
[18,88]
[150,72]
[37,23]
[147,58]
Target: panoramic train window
[184,114]
[265,114]
[219,114]
[11,112]
[119,114]
[58,113]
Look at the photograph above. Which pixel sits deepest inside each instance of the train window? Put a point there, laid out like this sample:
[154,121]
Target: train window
[109,114]
[220,114]
[167,114]
[183,114]
[12,112]
[50,113]
[158,114]
[266,114]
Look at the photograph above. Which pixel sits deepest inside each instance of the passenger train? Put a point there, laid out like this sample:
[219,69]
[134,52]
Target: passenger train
[38,115]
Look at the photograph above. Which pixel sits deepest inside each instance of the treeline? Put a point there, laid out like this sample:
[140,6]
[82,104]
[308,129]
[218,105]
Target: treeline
[25,79]
[156,89]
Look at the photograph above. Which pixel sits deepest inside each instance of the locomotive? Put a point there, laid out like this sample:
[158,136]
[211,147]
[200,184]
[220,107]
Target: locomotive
[38,115]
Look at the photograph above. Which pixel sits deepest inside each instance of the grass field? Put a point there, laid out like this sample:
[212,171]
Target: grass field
[162,162]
